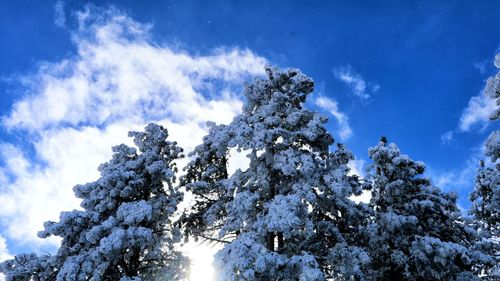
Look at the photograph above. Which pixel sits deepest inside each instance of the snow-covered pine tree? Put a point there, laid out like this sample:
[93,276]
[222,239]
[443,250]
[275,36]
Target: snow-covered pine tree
[27,267]
[124,231]
[486,199]
[287,216]
[492,89]
[486,195]
[417,233]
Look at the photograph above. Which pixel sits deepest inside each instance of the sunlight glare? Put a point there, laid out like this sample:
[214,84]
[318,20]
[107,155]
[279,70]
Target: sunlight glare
[201,256]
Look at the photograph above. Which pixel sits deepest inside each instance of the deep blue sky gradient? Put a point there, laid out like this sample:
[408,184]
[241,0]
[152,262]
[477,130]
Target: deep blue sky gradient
[420,53]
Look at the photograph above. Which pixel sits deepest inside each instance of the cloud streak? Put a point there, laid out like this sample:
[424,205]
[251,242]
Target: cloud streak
[481,107]
[477,112]
[460,180]
[359,87]
[4,253]
[447,137]
[343,129]
[59,15]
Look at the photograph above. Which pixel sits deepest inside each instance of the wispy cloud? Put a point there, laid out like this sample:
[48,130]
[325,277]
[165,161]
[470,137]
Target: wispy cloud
[330,105]
[481,66]
[355,82]
[75,109]
[4,253]
[59,15]
[459,180]
[476,115]
[447,137]
[477,112]
[118,74]
[480,107]
[357,167]
[456,180]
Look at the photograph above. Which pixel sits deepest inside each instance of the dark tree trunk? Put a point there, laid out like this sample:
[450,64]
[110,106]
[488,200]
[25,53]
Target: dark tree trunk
[270,241]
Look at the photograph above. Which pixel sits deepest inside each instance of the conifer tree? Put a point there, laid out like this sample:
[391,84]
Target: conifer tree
[287,216]
[486,199]
[124,230]
[486,194]
[417,232]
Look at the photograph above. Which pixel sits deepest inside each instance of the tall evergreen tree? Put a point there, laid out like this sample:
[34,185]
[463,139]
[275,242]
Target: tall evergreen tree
[417,233]
[486,195]
[124,231]
[492,89]
[287,216]
[486,199]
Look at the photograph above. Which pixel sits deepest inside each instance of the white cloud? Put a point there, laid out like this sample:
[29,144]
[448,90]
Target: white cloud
[74,110]
[330,105]
[357,167]
[477,112]
[480,108]
[450,180]
[4,253]
[41,189]
[461,179]
[481,66]
[355,82]
[59,16]
[364,197]
[447,137]
[119,74]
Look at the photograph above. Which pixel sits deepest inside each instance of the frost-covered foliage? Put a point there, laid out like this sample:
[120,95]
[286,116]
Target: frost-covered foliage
[124,231]
[492,89]
[486,198]
[288,216]
[492,146]
[486,195]
[417,233]
[26,267]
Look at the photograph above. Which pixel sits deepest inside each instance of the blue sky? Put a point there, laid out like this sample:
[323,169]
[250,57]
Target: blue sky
[409,70]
